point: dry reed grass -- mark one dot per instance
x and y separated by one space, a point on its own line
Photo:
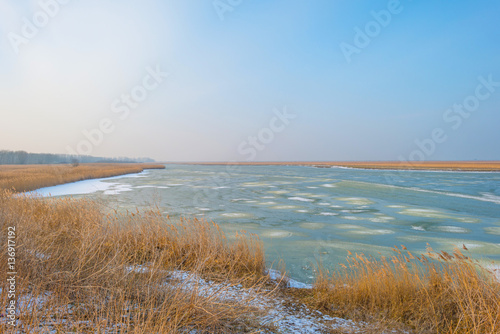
82 270
20 178
432 293
418 165
78 266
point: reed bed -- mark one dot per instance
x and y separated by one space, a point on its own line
84 270
433 293
388 165
20 178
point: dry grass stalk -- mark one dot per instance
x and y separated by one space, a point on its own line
79 267
433 293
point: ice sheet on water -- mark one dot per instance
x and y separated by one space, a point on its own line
329 214
88 187
301 199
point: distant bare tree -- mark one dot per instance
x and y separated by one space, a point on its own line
25 158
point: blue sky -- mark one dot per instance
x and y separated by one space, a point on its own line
233 66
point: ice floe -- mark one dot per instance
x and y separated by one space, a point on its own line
236 215
285 207
276 234
452 229
301 199
492 230
355 200
312 226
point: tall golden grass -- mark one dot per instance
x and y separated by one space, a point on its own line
433 293
82 269
22 178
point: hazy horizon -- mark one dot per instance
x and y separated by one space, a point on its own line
234 80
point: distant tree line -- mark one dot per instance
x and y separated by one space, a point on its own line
25 158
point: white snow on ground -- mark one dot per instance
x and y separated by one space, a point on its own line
278 312
285 315
495 269
88 186
290 283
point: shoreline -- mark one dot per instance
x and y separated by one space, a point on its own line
26 178
458 166
87 186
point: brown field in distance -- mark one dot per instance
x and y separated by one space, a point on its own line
484 166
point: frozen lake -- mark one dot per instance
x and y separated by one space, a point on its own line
304 214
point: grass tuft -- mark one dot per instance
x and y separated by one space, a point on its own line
81 269
436 292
